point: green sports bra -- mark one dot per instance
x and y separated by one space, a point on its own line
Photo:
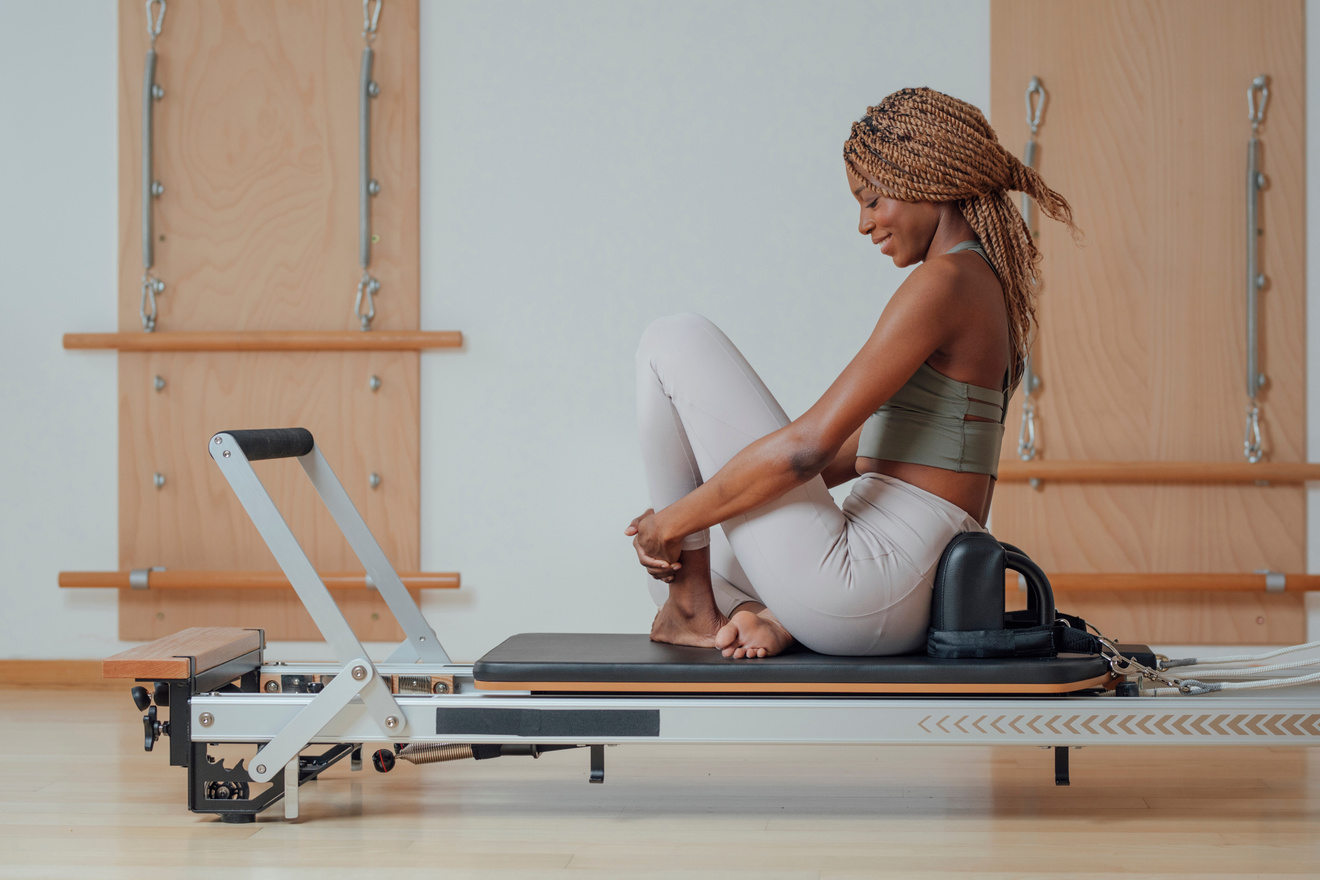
924 422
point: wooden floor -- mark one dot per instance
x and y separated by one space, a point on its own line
80 798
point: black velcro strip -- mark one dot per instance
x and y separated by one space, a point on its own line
547 722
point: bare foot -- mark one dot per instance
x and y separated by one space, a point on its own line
752 633
695 627
689 617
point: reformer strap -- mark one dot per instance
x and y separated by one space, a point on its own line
1030 641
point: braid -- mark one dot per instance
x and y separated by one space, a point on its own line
919 145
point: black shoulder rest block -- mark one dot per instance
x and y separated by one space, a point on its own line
967 618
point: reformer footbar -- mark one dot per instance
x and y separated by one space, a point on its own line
1028 678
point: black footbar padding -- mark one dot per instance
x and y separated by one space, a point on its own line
1038 586
969 585
266 443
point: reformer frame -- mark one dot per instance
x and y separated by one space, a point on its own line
419 697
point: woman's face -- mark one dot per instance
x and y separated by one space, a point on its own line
903 230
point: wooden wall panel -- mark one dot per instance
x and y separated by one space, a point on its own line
257 146
256 143
1142 339
195 521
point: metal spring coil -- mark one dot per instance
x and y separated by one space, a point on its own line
433 753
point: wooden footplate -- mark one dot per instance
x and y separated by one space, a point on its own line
184 654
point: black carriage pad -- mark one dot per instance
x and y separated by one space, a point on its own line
630 663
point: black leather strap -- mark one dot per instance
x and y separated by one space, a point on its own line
1033 641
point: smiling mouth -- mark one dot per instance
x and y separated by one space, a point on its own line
882 240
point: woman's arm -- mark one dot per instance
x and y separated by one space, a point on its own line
920 318
844 466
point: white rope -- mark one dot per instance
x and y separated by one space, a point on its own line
1239 658
1252 670
1202 687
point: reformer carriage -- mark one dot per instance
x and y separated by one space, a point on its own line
1039 680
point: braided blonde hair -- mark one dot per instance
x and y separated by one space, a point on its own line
919 145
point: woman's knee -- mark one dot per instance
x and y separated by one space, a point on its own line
671 333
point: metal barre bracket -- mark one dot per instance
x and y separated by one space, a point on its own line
368 188
1253 447
152 189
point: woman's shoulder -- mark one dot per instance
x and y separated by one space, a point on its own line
949 280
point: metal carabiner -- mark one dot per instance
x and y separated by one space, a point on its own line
147 308
1034 114
155 21
1256 115
1252 445
370 18
368 287
1026 447
1121 665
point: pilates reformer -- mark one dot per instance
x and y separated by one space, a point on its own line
1019 678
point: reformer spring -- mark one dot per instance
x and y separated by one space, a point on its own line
434 753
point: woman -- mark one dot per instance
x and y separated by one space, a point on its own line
916 417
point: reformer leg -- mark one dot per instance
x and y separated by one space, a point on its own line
597 764
1061 766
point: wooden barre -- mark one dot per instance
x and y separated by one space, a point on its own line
1202 472
177 579
1174 582
270 340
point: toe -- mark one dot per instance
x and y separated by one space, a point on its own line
726 636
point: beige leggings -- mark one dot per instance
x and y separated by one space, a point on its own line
852 580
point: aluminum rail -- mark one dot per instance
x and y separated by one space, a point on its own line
1260 718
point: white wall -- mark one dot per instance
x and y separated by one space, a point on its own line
58 410
589 166
586 166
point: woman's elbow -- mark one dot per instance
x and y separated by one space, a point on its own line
808 462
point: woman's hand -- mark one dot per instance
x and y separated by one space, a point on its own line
658 556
